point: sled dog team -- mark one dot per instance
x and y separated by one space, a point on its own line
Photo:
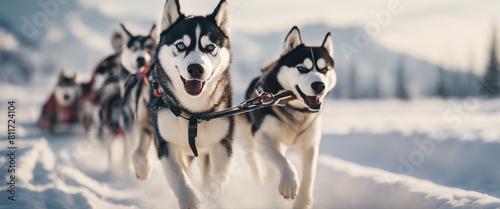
144 90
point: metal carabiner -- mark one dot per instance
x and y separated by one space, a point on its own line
267 99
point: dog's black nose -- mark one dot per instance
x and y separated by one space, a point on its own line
318 87
66 97
141 61
196 70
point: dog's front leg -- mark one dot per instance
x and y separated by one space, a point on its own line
140 159
179 182
219 163
309 163
275 151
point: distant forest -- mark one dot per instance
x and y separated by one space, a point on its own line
449 84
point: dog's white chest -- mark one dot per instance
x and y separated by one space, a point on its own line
175 130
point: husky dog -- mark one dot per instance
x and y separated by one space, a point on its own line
103 106
192 70
137 52
62 106
308 72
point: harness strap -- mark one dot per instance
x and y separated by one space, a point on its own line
263 100
192 133
259 90
132 79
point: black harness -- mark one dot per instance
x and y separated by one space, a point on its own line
263 100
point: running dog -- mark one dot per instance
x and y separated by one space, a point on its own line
307 71
106 89
192 72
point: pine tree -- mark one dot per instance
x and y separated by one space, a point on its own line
401 82
441 86
376 87
491 84
470 78
352 82
456 83
473 83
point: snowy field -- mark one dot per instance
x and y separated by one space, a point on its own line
374 154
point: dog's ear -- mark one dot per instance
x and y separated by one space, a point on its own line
117 41
67 74
171 13
328 44
64 75
128 35
221 17
61 74
292 41
153 33
119 38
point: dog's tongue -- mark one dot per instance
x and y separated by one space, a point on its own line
193 87
313 100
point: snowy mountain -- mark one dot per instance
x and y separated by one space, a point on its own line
71 37
76 38
375 66
21 62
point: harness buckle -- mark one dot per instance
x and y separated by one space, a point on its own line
156 88
267 99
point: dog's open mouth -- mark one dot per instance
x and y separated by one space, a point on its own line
193 87
312 102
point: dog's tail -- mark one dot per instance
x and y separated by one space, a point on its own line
243 132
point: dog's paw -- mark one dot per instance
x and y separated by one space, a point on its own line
189 200
142 165
289 183
303 202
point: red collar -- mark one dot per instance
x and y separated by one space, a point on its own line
156 87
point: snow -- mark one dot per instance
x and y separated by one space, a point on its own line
424 153
463 152
358 165
468 119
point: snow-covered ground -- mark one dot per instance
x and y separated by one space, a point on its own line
374 154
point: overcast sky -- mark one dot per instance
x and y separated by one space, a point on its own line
454 33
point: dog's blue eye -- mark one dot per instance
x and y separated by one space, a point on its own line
302 69
324 70
210 47
180 46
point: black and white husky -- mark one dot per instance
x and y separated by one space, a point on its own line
308 72
192 69
63 104
102 108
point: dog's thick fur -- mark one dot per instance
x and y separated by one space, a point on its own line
192 68
308 72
